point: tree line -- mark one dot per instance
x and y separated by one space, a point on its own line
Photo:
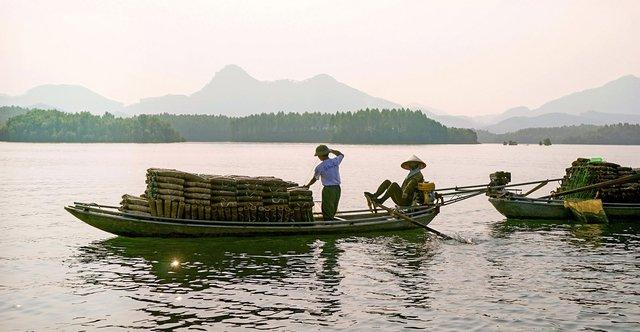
54 126
369 126
615 134
7 112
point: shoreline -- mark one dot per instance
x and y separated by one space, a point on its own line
320 142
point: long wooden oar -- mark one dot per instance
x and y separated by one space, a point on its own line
400 215
604 184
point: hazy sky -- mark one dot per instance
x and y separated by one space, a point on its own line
464 57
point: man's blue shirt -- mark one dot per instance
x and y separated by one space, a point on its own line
329 171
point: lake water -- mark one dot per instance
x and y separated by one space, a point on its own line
59 273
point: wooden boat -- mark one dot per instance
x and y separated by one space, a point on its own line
110 219
515 207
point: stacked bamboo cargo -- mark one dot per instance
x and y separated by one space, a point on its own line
585 172
275 201
165 192
224 201
135 204
197 198
301 203
176 194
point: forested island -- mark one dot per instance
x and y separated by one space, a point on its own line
54 126
369 126
7 112
618 134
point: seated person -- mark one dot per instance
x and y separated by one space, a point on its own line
401 195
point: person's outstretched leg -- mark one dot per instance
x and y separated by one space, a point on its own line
394 191
381 189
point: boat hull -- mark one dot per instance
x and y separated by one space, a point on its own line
526 208
131 226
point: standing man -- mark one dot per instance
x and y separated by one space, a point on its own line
329 172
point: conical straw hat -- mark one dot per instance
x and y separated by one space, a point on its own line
413 160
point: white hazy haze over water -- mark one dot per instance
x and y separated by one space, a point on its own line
464 57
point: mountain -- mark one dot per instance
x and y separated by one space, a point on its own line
69 98
614 102
484 120
560 119
476 122
619 96
234 92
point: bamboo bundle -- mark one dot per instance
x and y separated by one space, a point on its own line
301 203
249 198
584 172
165 191
223 197
274 191
135 204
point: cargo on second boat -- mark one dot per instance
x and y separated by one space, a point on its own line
592 190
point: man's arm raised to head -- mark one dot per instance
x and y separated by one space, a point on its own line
338 159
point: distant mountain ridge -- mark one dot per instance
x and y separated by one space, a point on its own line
620 96
614 102
234 92
65 97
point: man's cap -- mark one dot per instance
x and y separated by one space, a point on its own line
412 161
322 150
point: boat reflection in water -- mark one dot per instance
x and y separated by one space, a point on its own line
608 234
283 281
